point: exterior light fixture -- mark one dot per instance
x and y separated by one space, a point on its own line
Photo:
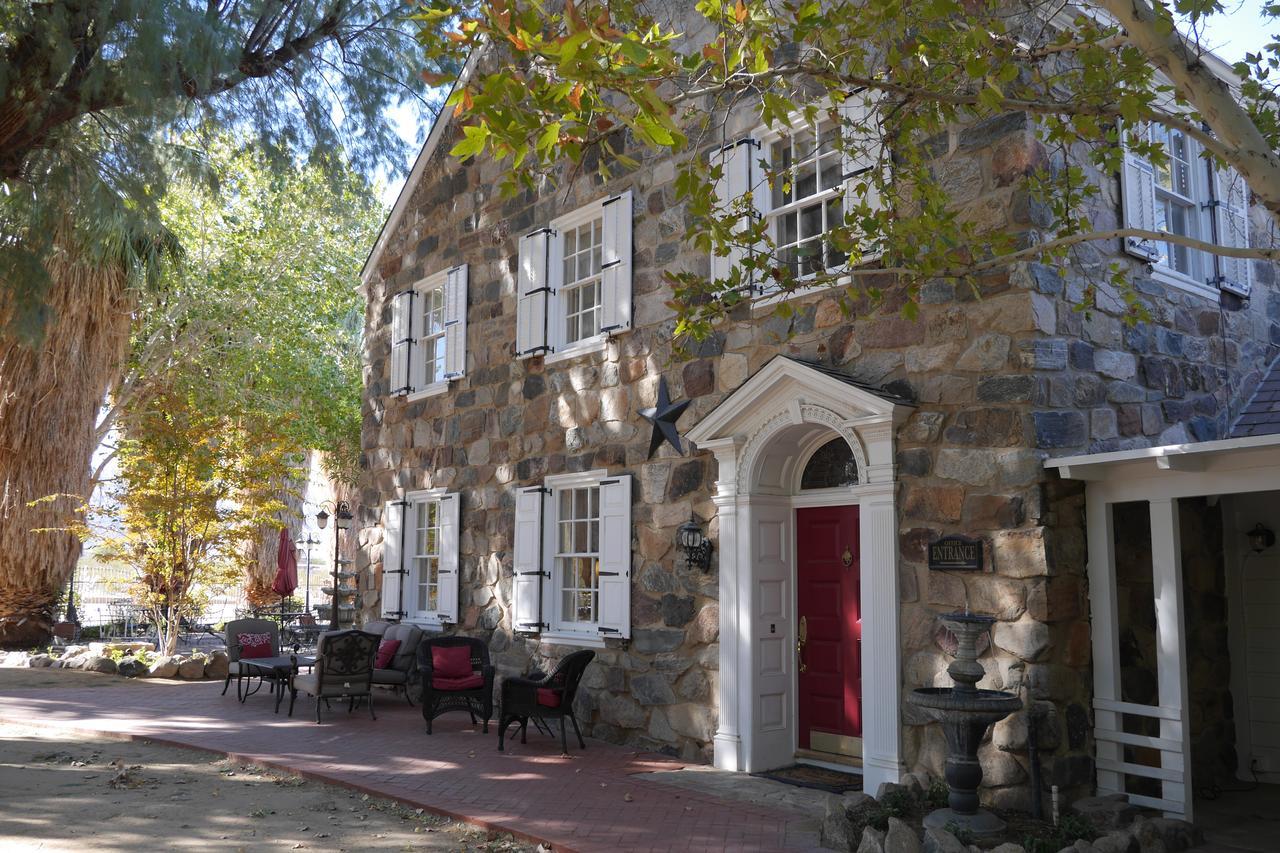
344 515
694 544
1261 538
322 519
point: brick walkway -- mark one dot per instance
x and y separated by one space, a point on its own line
578 803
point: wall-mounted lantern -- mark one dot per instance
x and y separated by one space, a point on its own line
694 544
1261 538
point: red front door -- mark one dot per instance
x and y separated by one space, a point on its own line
829 628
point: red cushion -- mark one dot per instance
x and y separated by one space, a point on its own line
386 651
254 646
548 697
451 661
469 682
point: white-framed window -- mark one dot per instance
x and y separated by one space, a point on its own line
420 558
575 281
429 334
1188 196
572 561
804 182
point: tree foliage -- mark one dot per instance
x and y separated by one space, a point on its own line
96 98
593 82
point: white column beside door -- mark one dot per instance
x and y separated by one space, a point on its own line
1171 644
881 650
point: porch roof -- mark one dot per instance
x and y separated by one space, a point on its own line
1247 453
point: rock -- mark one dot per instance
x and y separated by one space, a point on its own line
693 721
941 841
901 838
651 688
1105 813
1009 847
1118 841
95 663
839 832
165 667
1026 638
651 640
191 669
872 841
887 789
39 661
132 668
1177 834
216 667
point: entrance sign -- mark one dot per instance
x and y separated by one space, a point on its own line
956 554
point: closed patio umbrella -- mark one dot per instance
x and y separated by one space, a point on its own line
286 579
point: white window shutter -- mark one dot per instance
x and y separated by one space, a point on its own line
532 290
615 271
403 326
1138 204
455 322
526 562
615 556
1232 224
863 154
450 558
393 571
737 170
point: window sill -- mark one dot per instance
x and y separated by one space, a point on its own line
435 389
1186 283
577 350
426 624
561 638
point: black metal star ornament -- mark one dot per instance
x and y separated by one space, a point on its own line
663 417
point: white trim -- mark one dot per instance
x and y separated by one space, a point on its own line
1185 283
442 121
562 638
580 349
435 389
426 495
576 478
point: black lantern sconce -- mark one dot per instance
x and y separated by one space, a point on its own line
1261 538
694 544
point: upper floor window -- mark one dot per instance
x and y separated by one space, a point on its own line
807 198
429 334
574 281
1185 195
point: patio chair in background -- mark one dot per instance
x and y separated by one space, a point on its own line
249 638
456 676
544 698
343 670
397 663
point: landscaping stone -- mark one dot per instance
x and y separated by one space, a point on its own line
839 831
872 841
216 666
941 841
1118 841
1009 847
97 663
39 661
165 667
900 838
1111 811
132 668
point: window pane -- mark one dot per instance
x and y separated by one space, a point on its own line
811 221
806 179
831 171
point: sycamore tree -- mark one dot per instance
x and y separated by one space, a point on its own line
98 101
593 82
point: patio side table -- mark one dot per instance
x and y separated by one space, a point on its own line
279 670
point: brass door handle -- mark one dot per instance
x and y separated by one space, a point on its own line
802 637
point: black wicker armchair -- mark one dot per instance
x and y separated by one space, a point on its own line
456 676
544 698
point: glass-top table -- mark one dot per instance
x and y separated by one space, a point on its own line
279 670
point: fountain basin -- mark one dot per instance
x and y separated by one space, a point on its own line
943 699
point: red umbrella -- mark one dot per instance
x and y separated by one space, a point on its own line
286 580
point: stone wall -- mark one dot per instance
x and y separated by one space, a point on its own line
1004 373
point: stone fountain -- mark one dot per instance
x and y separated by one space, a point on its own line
966 713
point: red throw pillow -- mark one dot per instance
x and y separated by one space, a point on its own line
254 646
386 651
548 698
470 682
451 661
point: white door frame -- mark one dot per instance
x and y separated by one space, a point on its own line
753 436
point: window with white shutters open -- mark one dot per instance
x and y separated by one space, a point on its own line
615 269
429 592
573 558
435 312
455 322
403 341
1188 196
393 571
863 156
739 172
532 292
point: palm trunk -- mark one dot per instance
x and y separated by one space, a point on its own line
49 397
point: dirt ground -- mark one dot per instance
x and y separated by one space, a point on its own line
62 792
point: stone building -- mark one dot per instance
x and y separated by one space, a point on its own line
511 494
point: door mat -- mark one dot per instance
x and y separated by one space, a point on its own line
820 778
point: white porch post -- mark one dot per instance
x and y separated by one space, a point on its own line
1171 645
881 612
727 748
1106 650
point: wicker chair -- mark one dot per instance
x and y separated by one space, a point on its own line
344 669
544 698
455 691
233 631
403 672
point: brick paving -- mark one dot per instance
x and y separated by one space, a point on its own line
587 802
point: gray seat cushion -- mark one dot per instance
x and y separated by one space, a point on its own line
377 626
307 682
406 657
389 676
